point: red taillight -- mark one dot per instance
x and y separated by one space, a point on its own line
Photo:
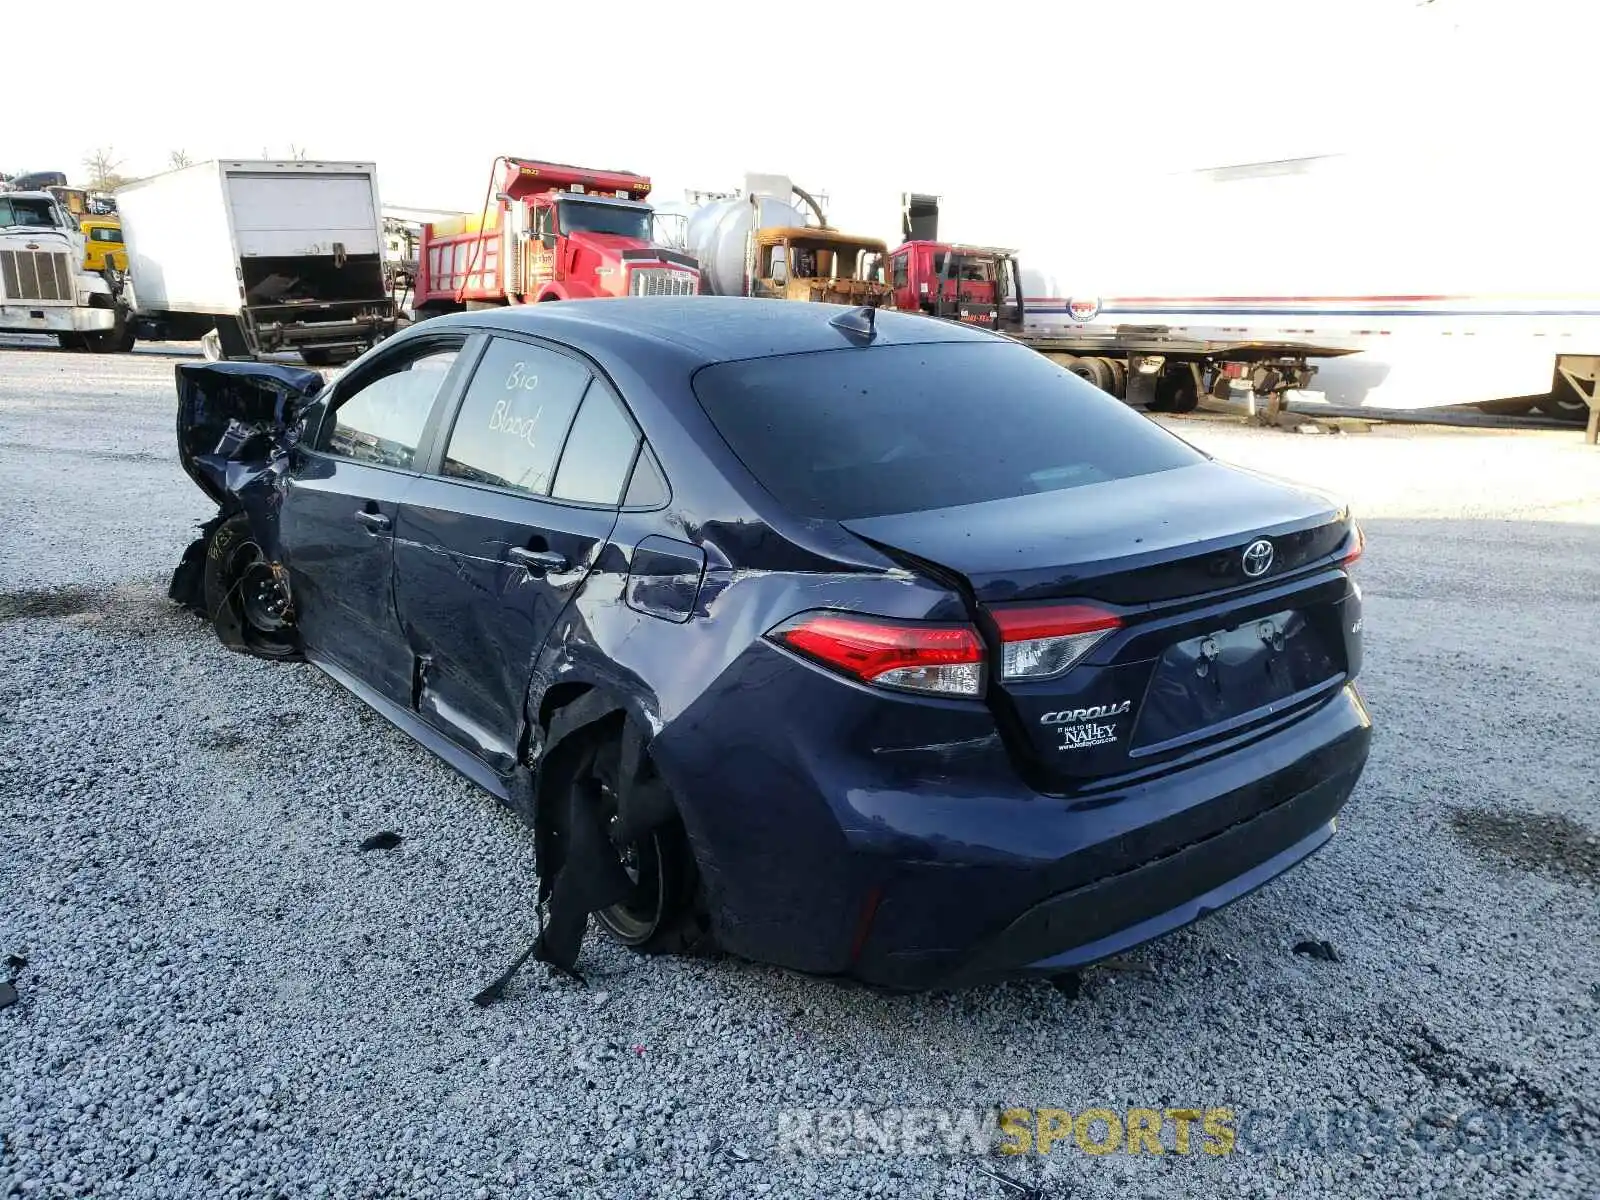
1354 547
1041 641
944 660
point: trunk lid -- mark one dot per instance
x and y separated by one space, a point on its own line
1184 646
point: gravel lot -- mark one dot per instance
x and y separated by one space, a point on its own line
223 997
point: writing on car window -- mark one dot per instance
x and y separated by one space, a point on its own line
515 416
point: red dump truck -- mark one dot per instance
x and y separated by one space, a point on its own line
549 231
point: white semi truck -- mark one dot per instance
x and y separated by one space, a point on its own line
44 287
254 257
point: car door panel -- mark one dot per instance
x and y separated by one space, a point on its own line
341 566
475 618
485 559
341 503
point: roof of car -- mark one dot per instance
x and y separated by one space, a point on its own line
713 328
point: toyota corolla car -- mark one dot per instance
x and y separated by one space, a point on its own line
860 643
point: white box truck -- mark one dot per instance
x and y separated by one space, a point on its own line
258 257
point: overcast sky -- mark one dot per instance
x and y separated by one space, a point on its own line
997 106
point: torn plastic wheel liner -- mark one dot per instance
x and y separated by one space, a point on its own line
584 877
237 422
575 841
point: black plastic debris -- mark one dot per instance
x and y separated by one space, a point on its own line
1069 985
384 839
1016 1187
588 877
8 989
1321 951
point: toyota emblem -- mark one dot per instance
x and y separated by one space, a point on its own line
1257 558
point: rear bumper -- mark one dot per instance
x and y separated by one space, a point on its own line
1111 915
21 317
943 869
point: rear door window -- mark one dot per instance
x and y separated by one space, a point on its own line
599 451
866 432
515 417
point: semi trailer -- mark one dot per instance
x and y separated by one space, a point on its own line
1444 280
1163 368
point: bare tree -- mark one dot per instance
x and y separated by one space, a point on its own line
103 167
298 153
178 158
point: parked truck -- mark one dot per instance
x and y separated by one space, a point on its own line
1164 369
549 231
256 257
44 285
1444 282
763 242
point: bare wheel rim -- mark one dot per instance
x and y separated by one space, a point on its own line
255 590
636 920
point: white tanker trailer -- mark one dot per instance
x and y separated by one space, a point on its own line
764 242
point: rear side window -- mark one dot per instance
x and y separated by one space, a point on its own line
866 432
599 451
381 422
515 417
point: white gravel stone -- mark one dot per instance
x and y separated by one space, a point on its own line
223 998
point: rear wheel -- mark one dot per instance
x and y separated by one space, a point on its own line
245 598
660 915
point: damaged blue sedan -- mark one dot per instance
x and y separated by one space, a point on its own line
860 643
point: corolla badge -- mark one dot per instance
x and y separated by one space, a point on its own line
1257 558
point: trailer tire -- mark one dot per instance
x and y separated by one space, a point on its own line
1119 376
1094 371
116 340
1177 391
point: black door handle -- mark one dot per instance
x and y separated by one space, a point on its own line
375 522
537 560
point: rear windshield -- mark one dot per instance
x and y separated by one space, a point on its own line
849 433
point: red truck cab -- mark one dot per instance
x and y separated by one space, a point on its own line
976 285
551 232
